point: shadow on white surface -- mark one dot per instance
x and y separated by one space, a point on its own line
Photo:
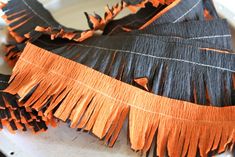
63 141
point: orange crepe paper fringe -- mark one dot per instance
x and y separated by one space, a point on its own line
100 104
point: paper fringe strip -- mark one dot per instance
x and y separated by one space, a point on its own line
98 103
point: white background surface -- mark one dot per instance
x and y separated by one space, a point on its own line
63 141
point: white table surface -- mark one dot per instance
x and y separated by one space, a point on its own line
63 141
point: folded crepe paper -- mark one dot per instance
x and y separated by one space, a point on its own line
15 117
100 104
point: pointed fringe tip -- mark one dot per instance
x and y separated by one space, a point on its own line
98 103
97 23
61 33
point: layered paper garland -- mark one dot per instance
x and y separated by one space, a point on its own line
168 69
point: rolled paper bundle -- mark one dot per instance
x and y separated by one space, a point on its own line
14 116
98 103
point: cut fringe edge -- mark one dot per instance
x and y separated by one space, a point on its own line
98 103
55 33
16 120
15 117
97 23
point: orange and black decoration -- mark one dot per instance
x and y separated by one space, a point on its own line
162 68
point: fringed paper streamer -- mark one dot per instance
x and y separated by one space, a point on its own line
29 19
178 11
23 20
103 47
11 54
133 21
14 116
184 10
23 16
97 23
200 76
162 64
106 56
100 104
